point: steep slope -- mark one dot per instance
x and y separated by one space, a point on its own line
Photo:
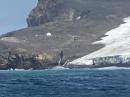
116 46
70 26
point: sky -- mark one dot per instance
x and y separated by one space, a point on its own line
13 14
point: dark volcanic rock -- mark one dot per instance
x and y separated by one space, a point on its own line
56 10
68 25
19 58
69 10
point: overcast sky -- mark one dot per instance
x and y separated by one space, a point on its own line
13 14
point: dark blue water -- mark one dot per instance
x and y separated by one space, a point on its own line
65 83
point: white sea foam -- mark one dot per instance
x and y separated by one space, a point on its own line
113 68
59 68
117 42
19 69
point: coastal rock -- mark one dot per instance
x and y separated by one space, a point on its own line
19 58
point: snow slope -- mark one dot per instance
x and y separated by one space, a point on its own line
117 42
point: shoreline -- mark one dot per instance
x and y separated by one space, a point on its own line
64 68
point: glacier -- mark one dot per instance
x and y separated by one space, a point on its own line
116 50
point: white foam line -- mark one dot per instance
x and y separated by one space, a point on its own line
113 68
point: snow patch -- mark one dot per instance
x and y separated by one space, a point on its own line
78 18
12 39
117 42
83 61
48 34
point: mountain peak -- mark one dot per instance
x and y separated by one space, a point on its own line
56 10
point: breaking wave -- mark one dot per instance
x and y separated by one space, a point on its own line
59 68
113 68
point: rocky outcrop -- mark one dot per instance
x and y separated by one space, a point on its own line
19 58
55 10
71 10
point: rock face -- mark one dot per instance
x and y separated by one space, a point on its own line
70 26
56 10
19 58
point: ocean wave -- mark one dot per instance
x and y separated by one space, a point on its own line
19 69
16 70
59 68
113 68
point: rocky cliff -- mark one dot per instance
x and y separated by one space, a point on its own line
56 10
70 26
69 10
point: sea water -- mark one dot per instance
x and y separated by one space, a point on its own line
103 82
